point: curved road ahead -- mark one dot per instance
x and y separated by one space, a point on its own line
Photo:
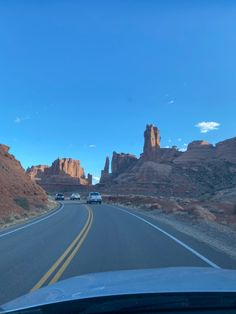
79 239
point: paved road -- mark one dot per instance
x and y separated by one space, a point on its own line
79 239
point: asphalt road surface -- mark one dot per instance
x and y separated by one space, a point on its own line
80 238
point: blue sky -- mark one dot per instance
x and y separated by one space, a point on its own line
81 79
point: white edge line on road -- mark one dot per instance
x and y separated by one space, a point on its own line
206 260
33 223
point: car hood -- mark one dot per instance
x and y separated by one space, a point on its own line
166 280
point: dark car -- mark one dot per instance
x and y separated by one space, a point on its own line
59 197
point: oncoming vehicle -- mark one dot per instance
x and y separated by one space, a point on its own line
75 197
59 197
94 197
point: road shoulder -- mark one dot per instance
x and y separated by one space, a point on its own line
30 217
215 237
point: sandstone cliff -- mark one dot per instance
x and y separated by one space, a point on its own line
63 174
36 172
122 162
18 192
226 150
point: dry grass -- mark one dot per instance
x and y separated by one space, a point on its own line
14 219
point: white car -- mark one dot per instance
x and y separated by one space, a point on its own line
75 197
94 197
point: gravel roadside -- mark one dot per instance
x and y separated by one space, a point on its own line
220 237
17 219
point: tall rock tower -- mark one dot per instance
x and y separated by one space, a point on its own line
105 171
152 141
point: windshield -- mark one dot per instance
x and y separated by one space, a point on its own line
118 144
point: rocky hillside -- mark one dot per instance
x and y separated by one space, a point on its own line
204 169
64 174
19 194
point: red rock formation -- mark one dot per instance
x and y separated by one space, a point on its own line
121 162
197 151
107 165
18 192
4 149
36 172
226 150
90 179
167 154
202 169
151 141
105 171
61 174
152 150
66 166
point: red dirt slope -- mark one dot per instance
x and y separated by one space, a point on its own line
18 193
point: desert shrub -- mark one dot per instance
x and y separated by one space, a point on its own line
17 217
22 202
8 219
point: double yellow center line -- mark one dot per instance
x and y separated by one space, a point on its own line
58 268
